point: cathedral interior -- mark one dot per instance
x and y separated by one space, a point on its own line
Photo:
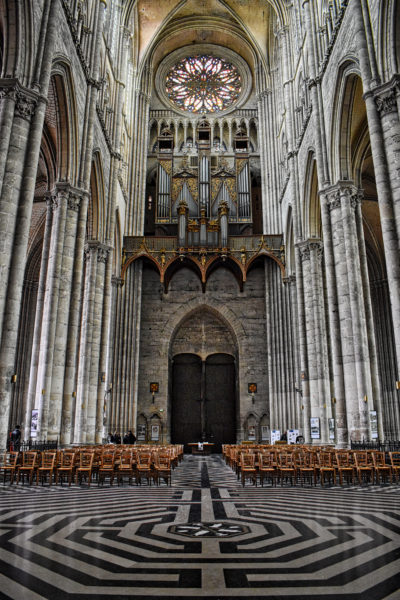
200 242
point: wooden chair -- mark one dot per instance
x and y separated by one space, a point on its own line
125 468
286 467
162 468
46 468
344 467
84 468
267 467
106 468
306 467
143 467
395 464
326 468
248 468
382 470
66 467
28 466
364 466
8 465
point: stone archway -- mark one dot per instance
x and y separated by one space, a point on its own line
203 381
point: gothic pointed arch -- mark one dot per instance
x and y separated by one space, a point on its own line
61 120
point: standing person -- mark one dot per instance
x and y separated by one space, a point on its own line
117 437
131 437
16 438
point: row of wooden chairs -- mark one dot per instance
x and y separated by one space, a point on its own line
308 465
81 464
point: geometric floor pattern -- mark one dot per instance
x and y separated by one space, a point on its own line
204 537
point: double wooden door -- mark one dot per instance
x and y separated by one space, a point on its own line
203 400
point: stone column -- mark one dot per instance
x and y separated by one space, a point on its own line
70 377
85 355
370 327
384 134
86 157
339 403
50 309
116 284
64 299
105 350
31 396
312 336
93 373
324 403
356 365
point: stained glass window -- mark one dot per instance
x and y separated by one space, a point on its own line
201 84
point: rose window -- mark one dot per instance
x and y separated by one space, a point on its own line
201 84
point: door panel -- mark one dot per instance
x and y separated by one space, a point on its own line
220 400
186 399
203 399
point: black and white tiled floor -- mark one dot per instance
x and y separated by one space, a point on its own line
204 537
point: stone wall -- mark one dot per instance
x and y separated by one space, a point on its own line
223 319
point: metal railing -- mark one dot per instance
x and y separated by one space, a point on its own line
386 446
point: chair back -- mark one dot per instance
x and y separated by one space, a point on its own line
247 460
362 459
343 460
266 460
379 459
107 460
68 459
325 459
394 459
48 460
9 459
125 460
144 459
29 459
285 460
86 460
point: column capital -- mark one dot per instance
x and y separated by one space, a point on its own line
25 99
385 95
290 280
304 250
342 192
117 282
103 252
65 191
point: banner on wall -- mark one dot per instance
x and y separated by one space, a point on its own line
373 418
331 425
264 433
141 433
315 428
34 422
275 435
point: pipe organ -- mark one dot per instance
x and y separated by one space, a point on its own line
197 180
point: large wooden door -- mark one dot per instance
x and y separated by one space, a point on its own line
186 399
203 400
220 396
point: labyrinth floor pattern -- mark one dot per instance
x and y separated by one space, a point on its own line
204 537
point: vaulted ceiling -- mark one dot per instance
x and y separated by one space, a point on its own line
242 25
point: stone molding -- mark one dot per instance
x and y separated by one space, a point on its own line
310 246
25 99
385 96
73 196
341 193
94 247
117 282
